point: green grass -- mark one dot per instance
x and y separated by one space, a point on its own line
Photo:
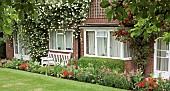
16 80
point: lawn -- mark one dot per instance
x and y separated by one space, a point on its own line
16 80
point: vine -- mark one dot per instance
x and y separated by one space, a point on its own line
50 17
148 19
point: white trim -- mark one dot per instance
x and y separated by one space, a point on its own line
164 74
19 56
121 50
95 29
96 52
85 42
61 50
107 57
108 44
70 30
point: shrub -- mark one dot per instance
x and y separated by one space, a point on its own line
14 63
33 66
113 64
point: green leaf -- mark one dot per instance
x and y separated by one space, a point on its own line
64 1
109 15
14 16
21 15
105 4
7 30
159 25
146 35
70 1
35 14
8 2
107 10
132 34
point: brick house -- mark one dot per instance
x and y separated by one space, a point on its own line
95 40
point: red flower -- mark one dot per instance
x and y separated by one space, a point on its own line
150 80
65 73
155 85
71 73
141 84
150 87
23 66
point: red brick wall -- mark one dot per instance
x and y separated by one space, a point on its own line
75 48
9 49
82 42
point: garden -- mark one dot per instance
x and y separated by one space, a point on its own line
99 71
32 20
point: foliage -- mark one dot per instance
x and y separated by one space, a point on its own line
100 75
14 63
2 48
149 20
34 28
34 66
114 64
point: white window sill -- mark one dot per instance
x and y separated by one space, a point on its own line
19 56
108 57
61 50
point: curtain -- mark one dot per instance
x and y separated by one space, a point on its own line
102 46
53 40
60 42
162 56
127 51
91 42
114 46
69 43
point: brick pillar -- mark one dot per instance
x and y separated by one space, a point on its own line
75 48
82 42
150 65
9 48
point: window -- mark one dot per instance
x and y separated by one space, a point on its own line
61 40
20 50
162 56
101 43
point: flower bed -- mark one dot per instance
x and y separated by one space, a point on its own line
100 75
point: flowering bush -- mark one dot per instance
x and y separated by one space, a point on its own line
24 66
148 84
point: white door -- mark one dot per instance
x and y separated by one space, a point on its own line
162 59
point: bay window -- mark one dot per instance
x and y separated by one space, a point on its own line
101 43
61 40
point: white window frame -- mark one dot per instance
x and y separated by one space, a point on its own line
71 30
164 74
95 29
19 55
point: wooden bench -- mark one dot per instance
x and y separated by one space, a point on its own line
56 59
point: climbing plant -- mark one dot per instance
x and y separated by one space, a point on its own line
49 16
149 20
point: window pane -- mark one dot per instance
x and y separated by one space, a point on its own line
161 45
162 64
102 33
114 46
69 43
53 40
102 46
127 51
90 42
60 39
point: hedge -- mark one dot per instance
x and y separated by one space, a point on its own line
114 64
2 49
